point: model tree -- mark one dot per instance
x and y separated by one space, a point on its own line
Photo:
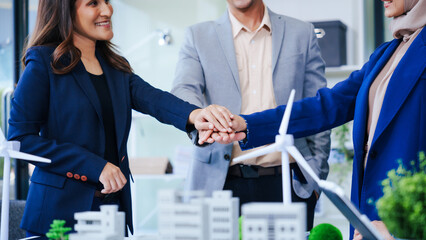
57 230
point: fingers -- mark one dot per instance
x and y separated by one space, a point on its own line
239 124
239 136
219 116
215 117
217 124
357 235
112 179
203 136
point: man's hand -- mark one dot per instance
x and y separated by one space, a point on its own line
112 178
380 226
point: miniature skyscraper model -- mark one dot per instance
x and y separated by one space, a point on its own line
108 224
282 142
182 220
10 149
198 218
264 221
223 216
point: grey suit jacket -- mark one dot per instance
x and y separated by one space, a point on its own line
207 73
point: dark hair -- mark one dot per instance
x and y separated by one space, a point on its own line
54 27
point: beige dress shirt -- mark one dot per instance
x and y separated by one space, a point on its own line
253 50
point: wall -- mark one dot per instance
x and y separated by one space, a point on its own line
135 23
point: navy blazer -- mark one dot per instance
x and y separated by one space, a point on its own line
401 127
59 117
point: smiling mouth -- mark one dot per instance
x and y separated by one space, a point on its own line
105 23
387 3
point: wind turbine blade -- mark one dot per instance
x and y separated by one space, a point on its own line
2 138
302 162
25 156
287 112
269 149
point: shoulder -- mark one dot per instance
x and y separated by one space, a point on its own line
290 21
201 28
380 50
42 53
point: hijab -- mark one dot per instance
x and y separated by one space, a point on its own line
414 17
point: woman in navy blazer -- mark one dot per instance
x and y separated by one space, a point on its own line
401 126
73 105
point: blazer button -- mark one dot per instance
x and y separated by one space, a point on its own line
83 178
70 175
227 157
76 176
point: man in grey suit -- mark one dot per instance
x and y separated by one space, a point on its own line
248 61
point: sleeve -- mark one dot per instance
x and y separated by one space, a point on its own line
328 109
163 106
318 144
189 83
29 115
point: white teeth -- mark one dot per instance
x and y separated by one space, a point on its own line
102 23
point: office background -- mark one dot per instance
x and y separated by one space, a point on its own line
149 34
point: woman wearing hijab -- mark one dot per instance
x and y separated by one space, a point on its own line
73 105
386 99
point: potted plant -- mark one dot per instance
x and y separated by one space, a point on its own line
403 206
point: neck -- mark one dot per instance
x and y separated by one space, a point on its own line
250 17
86 46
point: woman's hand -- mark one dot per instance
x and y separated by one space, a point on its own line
237 134
380 226
112 178
213 117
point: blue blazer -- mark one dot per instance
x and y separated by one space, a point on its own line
401 127
59 117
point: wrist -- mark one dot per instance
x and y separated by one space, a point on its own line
193 115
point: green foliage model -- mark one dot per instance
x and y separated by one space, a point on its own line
325 231
403 205
240 226
57 230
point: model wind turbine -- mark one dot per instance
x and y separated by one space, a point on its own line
282 142
10 149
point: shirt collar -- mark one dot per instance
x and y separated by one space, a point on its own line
237 26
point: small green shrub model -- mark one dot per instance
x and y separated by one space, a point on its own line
403 205
57 230
325 231
240 227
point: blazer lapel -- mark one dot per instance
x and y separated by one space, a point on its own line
83 79
224 34
115 80
404 78
278 26
361 105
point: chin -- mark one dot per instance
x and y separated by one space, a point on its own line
106 37
390 13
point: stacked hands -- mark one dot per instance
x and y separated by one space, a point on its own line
214 124
217 124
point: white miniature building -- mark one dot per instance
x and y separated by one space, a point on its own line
194 217
108 224
178 219
223 216
264 221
